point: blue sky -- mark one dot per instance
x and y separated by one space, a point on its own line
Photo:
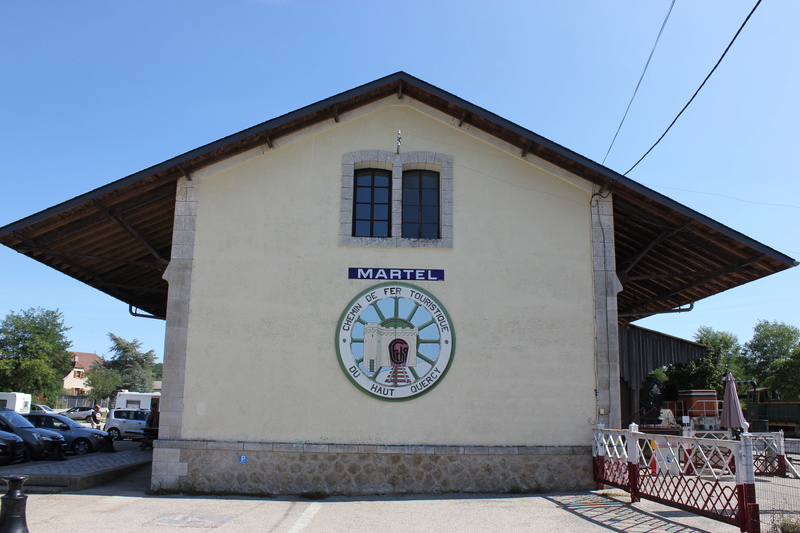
93 91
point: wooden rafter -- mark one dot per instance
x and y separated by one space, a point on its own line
636 306
116 217
664 235
687 274
55 253
93 277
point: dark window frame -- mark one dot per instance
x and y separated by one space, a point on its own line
421 216
372 203
396 163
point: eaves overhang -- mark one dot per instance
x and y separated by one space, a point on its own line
117 238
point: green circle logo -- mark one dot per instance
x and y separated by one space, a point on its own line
395 341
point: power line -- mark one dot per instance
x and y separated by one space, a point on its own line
698 89
640 81
722 196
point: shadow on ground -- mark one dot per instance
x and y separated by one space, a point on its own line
616 515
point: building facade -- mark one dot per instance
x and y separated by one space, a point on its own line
272 274
407 293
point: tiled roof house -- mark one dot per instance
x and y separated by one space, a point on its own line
75 380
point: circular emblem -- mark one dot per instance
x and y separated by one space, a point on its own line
395 341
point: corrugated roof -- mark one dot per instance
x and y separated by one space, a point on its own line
642 350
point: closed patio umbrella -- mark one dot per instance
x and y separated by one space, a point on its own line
732 415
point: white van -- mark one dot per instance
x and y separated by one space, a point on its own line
16 401
136 400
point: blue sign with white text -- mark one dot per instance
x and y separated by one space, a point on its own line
396 274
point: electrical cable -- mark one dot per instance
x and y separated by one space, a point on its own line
698 89
726 196
640 81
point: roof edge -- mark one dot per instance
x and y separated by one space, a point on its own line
401 77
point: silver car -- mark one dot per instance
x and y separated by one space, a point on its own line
80 439
122 423
79 413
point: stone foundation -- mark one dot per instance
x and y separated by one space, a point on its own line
273 468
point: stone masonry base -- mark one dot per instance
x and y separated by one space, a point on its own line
323 469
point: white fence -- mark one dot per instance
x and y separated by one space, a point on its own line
707 476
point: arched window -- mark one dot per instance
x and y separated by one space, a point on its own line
397 200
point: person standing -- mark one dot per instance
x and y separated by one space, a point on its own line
151 427
95 418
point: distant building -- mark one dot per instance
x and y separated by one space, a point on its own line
75 380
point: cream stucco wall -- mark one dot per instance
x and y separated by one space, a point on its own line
269 282
71 382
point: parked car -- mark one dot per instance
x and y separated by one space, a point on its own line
12 449
79 413
39 408
39 443
80 439
122 423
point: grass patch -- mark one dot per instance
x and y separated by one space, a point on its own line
786 524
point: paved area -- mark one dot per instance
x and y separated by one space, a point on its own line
123 504
81 471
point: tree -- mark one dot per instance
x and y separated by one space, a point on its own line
723 345
103 381
133 365
33 353
724 352
769 353
158 371
787 377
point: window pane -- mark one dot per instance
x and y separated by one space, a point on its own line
430 197
381 229
363 211
363 180
430 181
410 231
430 231
361 228
381 180
381 196
364 195
381 212
430 215
411 180
411 197
410 214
